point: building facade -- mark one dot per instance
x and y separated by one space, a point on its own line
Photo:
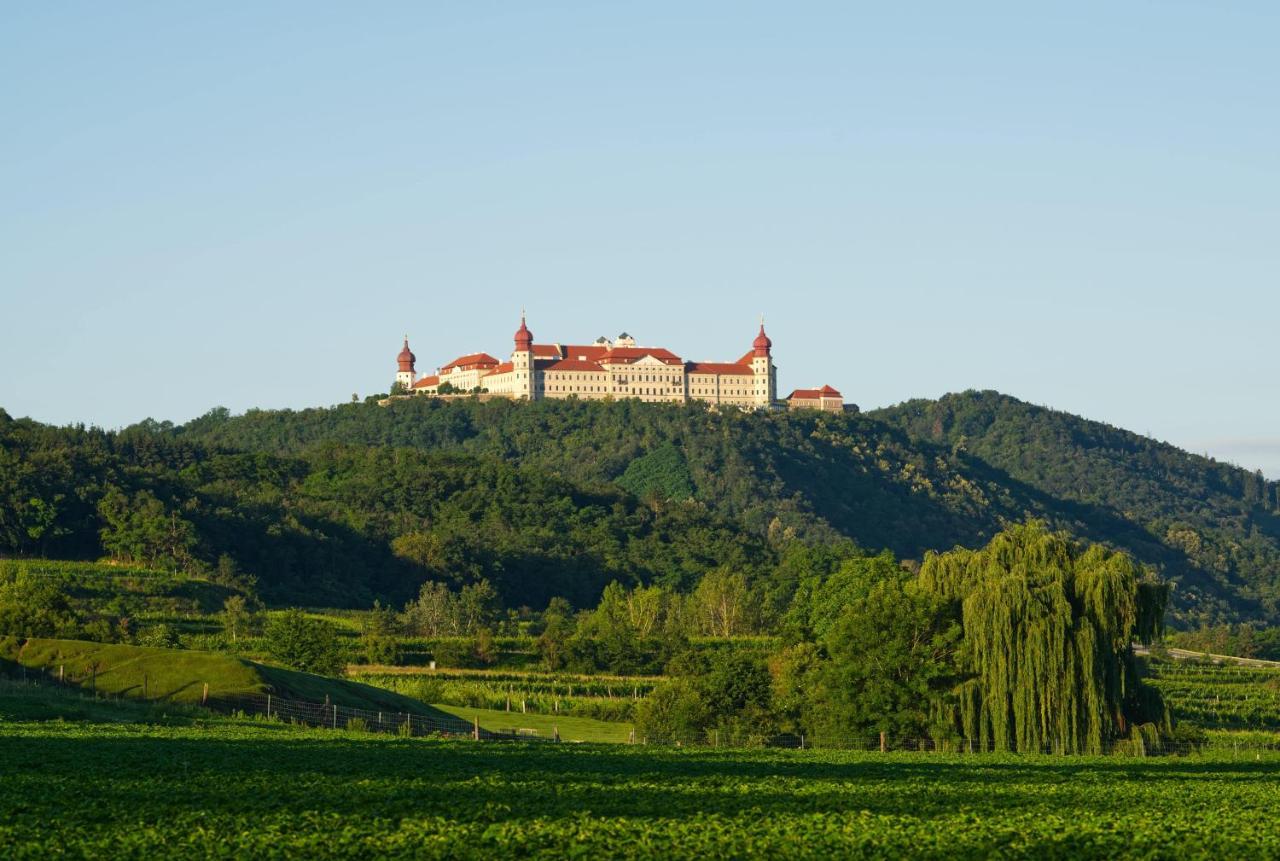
614 369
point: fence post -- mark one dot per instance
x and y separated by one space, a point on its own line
475 728
204 695
631 739
335 715
268 706
61 673
524 707
555 733
802 741
884 742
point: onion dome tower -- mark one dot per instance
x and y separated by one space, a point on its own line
524 338
406 375
522 364
762 345
765 388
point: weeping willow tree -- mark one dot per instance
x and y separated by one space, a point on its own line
1048 627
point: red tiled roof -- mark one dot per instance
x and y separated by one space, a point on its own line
546 351
584 352
813 394
627 355
722 368
427 382
747 357
573 365
472 359
504 368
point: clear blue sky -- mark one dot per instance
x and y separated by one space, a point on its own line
248 204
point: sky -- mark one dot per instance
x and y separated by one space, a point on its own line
249 205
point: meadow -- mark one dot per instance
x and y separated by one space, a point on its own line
133 781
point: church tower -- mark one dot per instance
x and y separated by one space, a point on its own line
406 376
522 362
765 390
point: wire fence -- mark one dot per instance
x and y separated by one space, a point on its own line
335 716
331 715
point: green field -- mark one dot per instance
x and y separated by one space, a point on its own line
544 726
114 785
1226 696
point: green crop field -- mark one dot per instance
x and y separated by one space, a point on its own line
543 726
1224 696
123 783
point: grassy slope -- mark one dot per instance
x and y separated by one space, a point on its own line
571 728
248 789
179 676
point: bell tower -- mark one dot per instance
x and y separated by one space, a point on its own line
406 376
765 388
522 362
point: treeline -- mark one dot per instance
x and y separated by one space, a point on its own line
561 497
1024 645
1212 526
1242 640
343 526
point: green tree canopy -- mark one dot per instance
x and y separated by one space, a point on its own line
1048 627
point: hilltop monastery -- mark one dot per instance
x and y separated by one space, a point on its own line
613 369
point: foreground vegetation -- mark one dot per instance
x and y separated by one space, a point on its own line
130 784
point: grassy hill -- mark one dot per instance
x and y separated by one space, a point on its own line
179 676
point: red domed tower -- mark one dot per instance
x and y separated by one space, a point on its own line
762 345
765 390
522 365
524 338
406 375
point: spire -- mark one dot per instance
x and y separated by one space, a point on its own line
762 345
406 357
524 338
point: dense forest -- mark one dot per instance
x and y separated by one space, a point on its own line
346 504
1212 527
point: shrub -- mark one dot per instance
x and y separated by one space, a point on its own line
160 636
305 644
673 712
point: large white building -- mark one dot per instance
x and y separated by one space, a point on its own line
603 369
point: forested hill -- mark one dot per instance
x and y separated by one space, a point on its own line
359 501
901 479
1218 525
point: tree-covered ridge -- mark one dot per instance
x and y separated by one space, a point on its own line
320 496
1212 528
342 525
893 480
815 477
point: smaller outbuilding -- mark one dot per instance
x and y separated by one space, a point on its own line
825 398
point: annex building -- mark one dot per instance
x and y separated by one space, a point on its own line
611 369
